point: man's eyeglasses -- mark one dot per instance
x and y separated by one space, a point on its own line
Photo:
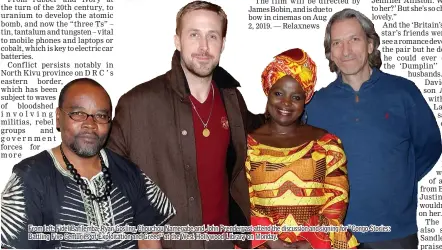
80 116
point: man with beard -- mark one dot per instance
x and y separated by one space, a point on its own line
79 190
187 129
390 134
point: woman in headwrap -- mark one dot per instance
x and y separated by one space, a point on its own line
297 173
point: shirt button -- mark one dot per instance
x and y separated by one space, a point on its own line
191 199
357 119
187 167
184 132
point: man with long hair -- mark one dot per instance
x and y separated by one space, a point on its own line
389 133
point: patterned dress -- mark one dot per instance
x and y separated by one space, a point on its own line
299 187
44 207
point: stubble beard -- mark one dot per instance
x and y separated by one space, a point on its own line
199 70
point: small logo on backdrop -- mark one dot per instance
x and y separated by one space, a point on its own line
387 115
225 122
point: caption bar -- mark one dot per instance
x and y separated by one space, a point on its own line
168 232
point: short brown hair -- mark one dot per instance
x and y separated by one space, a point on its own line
201 5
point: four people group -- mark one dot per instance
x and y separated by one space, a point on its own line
184 150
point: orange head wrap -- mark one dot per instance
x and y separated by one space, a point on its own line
295 63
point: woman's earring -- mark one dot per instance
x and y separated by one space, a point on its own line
304 117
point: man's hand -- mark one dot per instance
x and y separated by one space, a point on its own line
276 244
149 244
